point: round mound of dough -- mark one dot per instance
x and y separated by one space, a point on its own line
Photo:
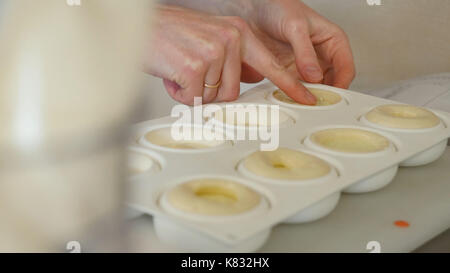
324 97
286 164
138 163
350 140
213 197
249 116
402 116
162 137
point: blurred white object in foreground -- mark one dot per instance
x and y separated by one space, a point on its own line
68 75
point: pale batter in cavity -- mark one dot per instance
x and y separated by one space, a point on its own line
162 137
251 116
350 140
402 116
286 164
211 196
324 98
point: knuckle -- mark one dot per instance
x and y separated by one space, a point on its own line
214 52
193 67
297 25
231 34
238 22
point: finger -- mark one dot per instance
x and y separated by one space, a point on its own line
163 66
328 77
184 95
209 94
343 66
193 74
214 54
305 56
262 60
183 74
212 78
230 88
171 87
250 75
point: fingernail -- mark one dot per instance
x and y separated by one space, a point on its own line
313 73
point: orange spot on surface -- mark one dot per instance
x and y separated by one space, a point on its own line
401 223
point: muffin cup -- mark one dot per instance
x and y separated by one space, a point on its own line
186 239
371 183
293 183
153 159
155 166
341 103
290 119
429 155
189 240
314 212
219 144
425 157
131 213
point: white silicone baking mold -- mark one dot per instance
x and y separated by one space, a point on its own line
286 202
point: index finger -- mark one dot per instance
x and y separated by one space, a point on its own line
344 67
264 62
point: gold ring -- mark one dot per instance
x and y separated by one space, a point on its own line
213 86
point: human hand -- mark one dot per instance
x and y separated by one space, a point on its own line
304 41
189 49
